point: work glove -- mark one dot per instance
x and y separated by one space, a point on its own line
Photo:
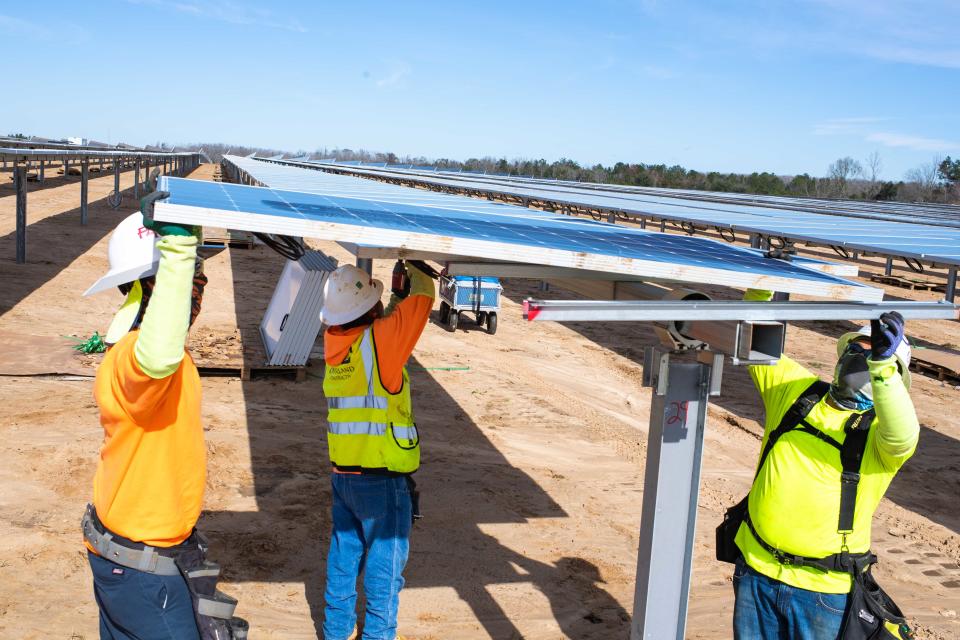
420 282
162 228
886 334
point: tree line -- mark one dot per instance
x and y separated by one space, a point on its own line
934 181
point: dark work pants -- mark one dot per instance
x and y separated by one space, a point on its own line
135 605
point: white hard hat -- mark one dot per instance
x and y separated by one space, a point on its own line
902 353
133 254
348 293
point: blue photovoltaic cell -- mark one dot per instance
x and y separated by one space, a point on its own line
490 222
880 233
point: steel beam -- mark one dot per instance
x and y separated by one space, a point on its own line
20 184
136 179
366 264
951 290
66 168
711 310
116 178
671 487
40 175
888 268
84 189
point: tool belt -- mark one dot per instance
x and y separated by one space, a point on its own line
213 609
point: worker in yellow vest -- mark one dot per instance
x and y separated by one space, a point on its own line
373 443
150 575
829 453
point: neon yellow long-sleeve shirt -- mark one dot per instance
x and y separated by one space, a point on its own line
163 331
795 500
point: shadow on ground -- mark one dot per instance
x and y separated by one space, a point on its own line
286 539
927 484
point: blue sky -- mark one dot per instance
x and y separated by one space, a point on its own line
730 86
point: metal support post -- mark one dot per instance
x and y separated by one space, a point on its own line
66 168
146 176
116 178
366 264
888 269
670 490
612 218
951 290
755 240
40 174
20 184
136 179
101 165
84 175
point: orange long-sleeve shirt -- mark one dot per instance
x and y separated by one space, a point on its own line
150 480
395 336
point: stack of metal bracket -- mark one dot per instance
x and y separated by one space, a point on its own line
292 321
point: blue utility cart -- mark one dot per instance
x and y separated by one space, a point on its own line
481 296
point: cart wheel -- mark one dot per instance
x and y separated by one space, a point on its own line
444 312
481 318
491 323
454 320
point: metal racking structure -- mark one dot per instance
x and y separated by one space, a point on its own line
25 154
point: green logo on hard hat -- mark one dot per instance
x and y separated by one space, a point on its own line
359 285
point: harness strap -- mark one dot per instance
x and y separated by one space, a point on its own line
857 429
851 456
844 561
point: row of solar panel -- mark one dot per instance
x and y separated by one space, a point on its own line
310 203
932 211
938 244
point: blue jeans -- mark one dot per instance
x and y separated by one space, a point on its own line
371 532
767 609
135 605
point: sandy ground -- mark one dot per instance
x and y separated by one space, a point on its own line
534 446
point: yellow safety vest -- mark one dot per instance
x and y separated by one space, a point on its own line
369 428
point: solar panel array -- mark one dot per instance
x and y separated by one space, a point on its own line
303 202
922 212
879 234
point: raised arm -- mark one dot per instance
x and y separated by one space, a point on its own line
163 332
898 429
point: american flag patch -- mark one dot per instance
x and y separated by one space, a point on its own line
118 571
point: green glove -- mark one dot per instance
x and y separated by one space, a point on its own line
162 228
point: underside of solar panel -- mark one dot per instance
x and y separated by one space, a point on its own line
313 204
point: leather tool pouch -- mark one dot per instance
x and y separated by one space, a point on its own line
871 613
727 549
212 608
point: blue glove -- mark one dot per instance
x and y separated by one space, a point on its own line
886 334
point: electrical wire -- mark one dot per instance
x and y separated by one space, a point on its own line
289 247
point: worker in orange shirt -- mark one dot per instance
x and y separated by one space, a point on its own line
373 442
150 576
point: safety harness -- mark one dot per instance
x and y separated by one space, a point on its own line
857 429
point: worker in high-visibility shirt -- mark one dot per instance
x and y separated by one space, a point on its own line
790 581
373 443
149 484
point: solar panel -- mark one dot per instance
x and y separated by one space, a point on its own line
939 244
497 231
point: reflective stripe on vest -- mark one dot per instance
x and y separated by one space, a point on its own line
368 427
371 429
357 402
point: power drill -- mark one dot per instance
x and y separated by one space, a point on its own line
400 283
